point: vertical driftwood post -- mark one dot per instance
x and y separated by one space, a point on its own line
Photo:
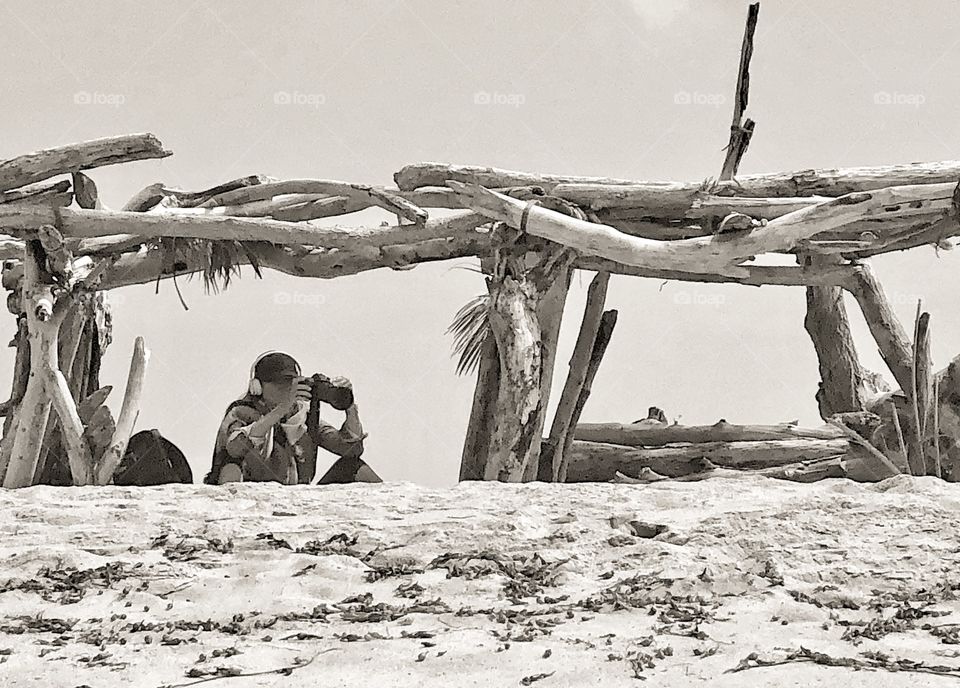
21 372
921 392
476 445
524 270
552 449
740 131
842 380
42 331
550 315
129 411
604 333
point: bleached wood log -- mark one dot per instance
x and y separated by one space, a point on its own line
71 429
377 196
841 388
740 131
176 223
891 338
921 392
594 461
516 290
814 182
43 324
713 254
129 411
476 443
608 322
634 435
576 376
43 164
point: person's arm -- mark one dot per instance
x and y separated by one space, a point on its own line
348 440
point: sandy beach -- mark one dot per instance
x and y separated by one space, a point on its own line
483 584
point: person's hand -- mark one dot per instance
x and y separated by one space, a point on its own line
289 405
342 382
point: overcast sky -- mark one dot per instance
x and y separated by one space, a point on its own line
355 90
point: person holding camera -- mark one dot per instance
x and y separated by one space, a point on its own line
273 432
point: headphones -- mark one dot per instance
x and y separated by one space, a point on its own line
255 387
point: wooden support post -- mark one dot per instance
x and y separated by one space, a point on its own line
604 333
921 391
842 385
523 272
129 411
42 331
552 452
476 444
21 372
891 338
740 131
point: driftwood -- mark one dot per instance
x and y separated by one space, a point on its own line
577 375
740 131
595 461
41 165
891 338
129 411
516 291
608 322
633 435
476 444
842 386
808 472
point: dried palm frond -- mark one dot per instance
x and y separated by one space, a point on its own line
220 260
470 328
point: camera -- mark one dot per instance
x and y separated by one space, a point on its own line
322 388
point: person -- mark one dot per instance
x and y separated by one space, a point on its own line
269 435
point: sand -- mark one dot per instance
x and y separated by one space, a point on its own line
568 585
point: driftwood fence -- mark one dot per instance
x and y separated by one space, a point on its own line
62 248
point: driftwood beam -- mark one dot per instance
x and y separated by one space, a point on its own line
633 435
43 164
595 461
187 224
814 182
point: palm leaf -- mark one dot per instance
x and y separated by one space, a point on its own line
470 328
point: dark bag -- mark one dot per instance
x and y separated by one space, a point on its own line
152 459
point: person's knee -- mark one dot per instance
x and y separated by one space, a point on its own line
230 473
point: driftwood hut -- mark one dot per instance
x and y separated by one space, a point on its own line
530 231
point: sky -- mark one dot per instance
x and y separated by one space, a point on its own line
356 90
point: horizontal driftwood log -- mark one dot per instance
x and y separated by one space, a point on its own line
43 164
819 182
597 461
173 223
637 435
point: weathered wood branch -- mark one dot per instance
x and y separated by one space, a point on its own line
741 132
891 338
129 411
552 451
842 388
184 223
390 202
608 321
43 164
633 435
594 461
817 182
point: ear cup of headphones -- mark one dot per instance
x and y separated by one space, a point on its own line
255 388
